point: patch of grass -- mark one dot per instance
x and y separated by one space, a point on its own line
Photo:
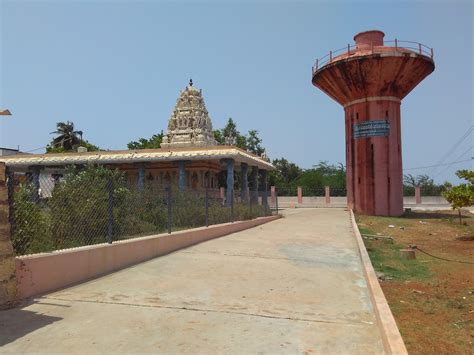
365 230
456 303
385 258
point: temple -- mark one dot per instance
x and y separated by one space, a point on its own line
189 156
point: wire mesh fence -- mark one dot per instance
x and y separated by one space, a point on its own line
425 190
98 205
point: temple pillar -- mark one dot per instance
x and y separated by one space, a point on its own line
244 193
230 182
141 176
263 183
182 175
254 185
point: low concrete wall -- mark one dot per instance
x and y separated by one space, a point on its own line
41 273
427 202
311 201
391 336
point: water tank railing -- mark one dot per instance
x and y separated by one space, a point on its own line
416 47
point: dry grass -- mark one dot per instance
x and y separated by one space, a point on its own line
432 300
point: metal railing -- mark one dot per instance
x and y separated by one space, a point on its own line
416 47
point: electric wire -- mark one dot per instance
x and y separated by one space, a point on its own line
449 165
453 148
440 258
44 147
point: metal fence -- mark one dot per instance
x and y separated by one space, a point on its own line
92 206
425 190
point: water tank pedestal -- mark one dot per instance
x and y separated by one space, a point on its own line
370 80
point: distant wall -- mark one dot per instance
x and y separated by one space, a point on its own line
320 201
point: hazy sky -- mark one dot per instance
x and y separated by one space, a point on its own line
115 69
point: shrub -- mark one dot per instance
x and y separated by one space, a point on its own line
31 232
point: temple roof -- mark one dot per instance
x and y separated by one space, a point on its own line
216 153
189 124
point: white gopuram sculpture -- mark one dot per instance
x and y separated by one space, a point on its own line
189 124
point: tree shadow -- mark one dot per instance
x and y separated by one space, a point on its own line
435 215
18 322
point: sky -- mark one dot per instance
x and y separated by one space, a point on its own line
115 68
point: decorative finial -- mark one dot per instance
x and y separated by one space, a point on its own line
190 82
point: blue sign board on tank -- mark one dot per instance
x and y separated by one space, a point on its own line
377 128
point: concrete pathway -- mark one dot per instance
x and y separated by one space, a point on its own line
293 285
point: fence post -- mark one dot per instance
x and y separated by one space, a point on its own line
327 194
35 181
110 210
417 195
11 196
300 195
276 201
272 194
207 207
168 203
222 194
232 207
8 288
250 207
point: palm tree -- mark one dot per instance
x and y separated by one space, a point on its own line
67 137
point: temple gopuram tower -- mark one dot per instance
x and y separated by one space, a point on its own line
189 124
370 80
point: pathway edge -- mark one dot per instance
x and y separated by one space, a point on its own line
392 339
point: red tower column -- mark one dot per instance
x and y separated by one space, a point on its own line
369 81
374 164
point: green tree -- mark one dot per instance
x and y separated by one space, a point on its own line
218 136
427 185
153 143
68 139
89 146
254 143
285 174
323 174
230 130
462 195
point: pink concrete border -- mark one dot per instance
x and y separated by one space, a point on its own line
392 339
41 273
